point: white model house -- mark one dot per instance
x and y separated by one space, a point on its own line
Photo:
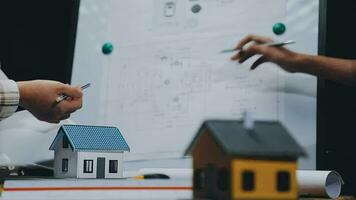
82 151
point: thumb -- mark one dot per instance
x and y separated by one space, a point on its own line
71 91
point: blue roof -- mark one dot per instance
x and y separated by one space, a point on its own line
82 137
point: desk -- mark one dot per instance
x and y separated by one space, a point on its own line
96 189
101 189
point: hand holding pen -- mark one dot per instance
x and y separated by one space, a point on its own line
63 96
270 52
39 98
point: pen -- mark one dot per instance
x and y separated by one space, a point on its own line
151 176
62 97
271 44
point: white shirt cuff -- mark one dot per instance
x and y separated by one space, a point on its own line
9 98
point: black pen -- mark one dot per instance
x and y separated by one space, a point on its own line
151 176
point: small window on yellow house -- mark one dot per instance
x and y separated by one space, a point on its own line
199 179
283 181
223 180
248 180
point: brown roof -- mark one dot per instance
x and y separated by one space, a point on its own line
267 139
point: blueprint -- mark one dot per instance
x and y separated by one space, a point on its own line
166 74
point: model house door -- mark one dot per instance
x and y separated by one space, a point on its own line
211 180
100 170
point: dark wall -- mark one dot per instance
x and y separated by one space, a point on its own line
336 128
37 38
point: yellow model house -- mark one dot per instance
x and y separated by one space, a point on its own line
232 162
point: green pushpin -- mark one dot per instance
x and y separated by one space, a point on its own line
107 48
279 28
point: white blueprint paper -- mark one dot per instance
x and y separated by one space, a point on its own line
169 75
166 74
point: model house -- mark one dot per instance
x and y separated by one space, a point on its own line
88 152
231 161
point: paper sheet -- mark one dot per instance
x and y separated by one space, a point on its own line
166 75
24 140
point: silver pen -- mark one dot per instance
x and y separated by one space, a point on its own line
271 44
62 97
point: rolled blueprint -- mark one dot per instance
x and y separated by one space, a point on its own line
319 183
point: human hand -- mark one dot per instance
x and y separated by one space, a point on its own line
39 98
285 58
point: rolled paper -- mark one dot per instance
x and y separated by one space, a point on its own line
314 183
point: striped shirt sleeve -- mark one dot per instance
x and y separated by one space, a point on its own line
9 98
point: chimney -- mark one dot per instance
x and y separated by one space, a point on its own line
248 121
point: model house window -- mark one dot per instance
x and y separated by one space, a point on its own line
65 142
88 166
283 181
199 179
64 165
223 181
113 165
248 180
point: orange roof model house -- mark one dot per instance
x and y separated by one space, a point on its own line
235 161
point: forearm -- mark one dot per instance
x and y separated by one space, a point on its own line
340 70
23 93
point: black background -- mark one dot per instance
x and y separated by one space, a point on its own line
336 103
37 38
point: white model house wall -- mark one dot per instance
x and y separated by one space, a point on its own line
93 156
65 153
76 163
